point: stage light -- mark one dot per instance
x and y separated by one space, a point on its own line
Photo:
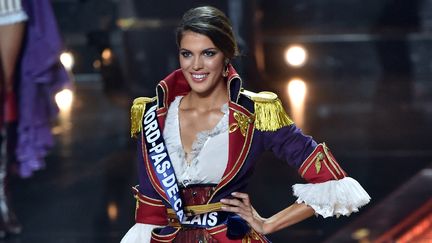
64 100
126 23
296 55
107 56
297 91
297 95
112 211
67 60
97 64
361 235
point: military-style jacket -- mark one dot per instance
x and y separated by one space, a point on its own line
257 122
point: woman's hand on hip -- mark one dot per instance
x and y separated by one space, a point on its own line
241 205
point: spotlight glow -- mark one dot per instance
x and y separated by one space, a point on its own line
107 56
97 64
67 60
360 234
112 211
297 91
296 55
64 100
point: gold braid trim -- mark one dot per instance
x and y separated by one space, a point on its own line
269 112
198 209
137 113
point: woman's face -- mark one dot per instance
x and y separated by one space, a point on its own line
201 62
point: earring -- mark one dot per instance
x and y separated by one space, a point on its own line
226 70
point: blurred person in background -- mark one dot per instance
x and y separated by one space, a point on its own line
40 76
31 73
12 28
199 140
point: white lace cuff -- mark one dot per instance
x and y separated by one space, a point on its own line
335 197
139 233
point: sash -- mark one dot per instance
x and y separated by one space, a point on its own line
160 161
205 220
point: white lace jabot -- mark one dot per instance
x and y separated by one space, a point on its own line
209 155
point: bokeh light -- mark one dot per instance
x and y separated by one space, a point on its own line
296 55
67 60
107 56
297 94
297 91
64 99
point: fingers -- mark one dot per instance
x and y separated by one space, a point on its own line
243 196
233 202
232 209
240 204
246 215
240 199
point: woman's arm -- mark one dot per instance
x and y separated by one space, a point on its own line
241 205
328 191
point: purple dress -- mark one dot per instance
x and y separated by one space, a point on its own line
40 76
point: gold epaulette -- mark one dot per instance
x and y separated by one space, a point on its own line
269 112
137 113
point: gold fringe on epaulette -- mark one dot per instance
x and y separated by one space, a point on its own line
270 116
137 113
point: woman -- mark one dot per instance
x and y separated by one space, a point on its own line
198 140
12 26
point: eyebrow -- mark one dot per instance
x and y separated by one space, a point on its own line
207 49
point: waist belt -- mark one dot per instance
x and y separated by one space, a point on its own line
198 209
210 215
201 216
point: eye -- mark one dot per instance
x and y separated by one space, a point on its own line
209 53
186 53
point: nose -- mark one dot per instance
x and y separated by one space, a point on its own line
197 63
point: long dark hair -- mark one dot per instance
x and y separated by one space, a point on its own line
214 24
